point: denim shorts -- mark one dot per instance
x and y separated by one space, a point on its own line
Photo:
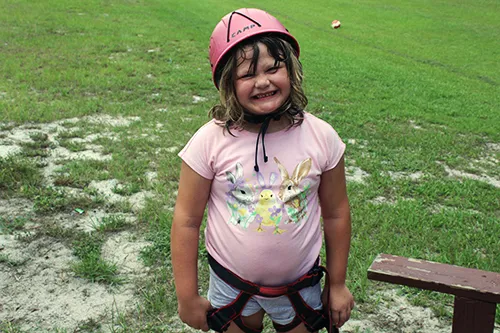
279 309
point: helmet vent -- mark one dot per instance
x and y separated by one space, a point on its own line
231 17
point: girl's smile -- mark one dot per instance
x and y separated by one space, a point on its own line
266 95
263 89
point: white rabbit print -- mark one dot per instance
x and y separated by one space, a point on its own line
291 193
268 208
240 198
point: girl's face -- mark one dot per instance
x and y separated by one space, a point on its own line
265 88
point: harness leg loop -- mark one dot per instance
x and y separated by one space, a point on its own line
314 320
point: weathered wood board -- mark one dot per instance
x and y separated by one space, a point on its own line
460 281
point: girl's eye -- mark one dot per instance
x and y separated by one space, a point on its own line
273 70
246 76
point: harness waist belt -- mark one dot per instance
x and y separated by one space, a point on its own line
220 319
310 279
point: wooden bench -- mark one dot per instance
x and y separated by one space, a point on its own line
476 292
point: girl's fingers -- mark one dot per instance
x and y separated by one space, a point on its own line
336 318
347 316
343 317
204 326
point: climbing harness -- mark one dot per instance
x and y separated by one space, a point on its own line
219 319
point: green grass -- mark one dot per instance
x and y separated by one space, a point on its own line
9 328
72 145
93 268
6 260
17 174
414 83
110 223
50 200
80 174
10 224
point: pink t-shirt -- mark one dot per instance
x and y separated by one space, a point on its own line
265 226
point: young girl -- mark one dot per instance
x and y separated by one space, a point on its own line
269 171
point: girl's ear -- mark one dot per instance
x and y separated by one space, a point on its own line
301 170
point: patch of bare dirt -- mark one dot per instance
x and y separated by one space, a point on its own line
356 174
394 314
483 169
43 293
38 290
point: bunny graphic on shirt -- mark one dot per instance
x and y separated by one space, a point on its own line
240 198
291 193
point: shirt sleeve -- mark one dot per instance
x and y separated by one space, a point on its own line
335 149
197 153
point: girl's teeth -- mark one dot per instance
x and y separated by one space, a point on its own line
265 95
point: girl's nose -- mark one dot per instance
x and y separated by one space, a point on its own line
261 81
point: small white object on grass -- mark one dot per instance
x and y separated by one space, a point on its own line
335 24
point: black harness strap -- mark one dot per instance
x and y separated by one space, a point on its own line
220 319
312 319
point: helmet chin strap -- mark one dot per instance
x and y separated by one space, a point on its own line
265 121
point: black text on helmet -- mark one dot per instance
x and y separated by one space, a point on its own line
240 31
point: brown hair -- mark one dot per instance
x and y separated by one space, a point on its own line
229 112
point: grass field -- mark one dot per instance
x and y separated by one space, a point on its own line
413 88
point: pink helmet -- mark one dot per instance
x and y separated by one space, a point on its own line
238 26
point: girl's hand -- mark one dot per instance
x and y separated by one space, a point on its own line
193 312
341 304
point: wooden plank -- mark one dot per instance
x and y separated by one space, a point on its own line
460 281
473 316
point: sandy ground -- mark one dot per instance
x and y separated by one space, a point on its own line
42 292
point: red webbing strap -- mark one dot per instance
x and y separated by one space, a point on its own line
308 280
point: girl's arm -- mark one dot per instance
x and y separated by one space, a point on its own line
337 229
192 198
